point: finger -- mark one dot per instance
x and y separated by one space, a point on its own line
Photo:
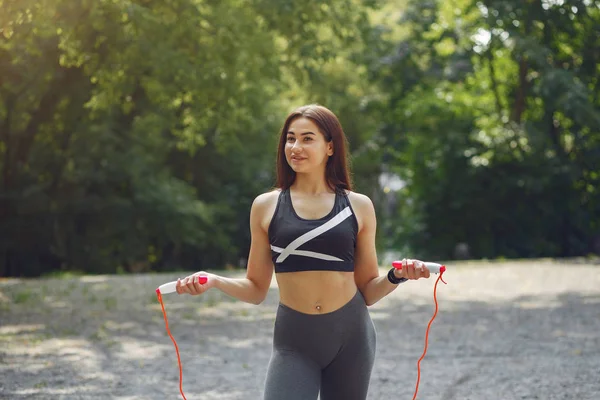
190 285
422 270
197 286
182 287
418 269
178 286
410 269
426 272
415 269
401 272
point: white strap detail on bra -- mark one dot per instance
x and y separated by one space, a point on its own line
291 248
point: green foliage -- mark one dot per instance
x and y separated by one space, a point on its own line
133 134
494 124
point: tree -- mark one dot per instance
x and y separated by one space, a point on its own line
494 124
133 133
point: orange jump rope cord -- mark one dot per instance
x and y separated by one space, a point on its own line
427 334
174 342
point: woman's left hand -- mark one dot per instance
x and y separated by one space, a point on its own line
412 269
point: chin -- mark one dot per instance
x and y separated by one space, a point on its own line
297 169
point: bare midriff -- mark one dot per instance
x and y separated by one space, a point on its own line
316 292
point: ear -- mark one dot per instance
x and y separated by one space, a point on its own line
330 148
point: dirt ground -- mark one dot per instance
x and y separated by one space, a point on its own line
511 330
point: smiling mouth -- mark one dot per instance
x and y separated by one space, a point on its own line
298 159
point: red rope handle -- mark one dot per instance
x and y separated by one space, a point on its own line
427 333
174 342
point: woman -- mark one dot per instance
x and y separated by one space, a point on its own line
319 237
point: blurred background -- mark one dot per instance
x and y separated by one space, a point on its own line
135 134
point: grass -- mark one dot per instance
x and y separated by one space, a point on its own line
68 332
152 298
243 313
40 385
62 274
23 296
211 300
100 334
110 303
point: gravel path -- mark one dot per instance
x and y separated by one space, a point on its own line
512 330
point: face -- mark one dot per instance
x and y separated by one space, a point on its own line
306 148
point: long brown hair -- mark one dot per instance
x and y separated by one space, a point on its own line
337 171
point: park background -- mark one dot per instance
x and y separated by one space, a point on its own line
135 134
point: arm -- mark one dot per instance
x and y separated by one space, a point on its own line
366 273
254 287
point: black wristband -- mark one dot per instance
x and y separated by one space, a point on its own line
392 277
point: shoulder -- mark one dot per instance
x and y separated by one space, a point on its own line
360 201
264 200
264 206
363 209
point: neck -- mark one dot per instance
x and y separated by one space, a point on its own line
311 184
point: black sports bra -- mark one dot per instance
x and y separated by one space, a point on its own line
324 244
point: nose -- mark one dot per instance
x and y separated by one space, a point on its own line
296 147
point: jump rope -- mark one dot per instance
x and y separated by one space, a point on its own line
435 268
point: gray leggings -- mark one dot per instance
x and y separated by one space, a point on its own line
332 353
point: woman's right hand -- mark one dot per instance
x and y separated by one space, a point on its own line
190 283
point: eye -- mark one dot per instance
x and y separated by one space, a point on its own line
290 138
307 138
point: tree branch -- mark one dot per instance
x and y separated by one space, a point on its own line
492 71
